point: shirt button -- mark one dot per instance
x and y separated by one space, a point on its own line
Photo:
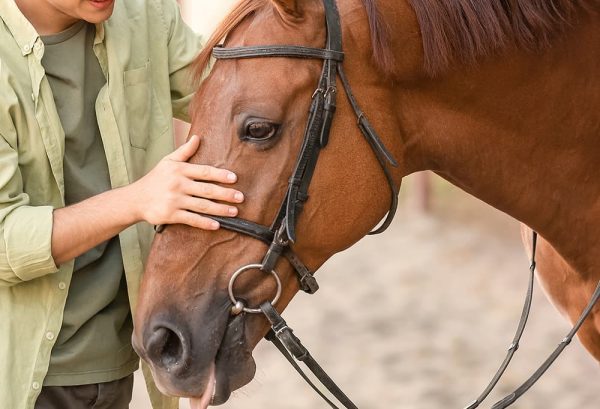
35 385
50 335
26 48
62 285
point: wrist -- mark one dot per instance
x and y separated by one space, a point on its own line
130 204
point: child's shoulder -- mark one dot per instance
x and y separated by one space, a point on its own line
144 13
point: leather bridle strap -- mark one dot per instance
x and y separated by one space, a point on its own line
511 398
247 227
284 51
306 279
514 346
282 231
292 361
282 336
383 155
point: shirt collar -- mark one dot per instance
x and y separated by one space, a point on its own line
20 28
99 33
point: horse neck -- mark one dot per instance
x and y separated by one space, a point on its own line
519 131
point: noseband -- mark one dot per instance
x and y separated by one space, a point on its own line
282 232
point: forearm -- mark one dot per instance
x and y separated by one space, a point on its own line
82 226
174 192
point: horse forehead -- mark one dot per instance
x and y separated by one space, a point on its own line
267 27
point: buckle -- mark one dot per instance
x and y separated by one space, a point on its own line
308 283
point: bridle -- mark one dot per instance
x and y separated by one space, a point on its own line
282 231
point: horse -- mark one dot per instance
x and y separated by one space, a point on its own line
498 97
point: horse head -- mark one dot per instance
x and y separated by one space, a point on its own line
252 114
468 90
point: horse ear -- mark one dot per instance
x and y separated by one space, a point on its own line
289 8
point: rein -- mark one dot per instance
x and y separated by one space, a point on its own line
282 232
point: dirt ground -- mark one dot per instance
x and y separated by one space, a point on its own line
421 318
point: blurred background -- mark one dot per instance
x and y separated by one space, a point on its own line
420 317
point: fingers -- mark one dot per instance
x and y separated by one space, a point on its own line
208 173
200 205
188 191
187 150
195 220
212 191
199 172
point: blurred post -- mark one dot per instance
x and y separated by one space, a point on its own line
422 192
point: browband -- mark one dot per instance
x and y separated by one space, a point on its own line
286 51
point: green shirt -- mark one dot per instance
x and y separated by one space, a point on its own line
144 51
97 306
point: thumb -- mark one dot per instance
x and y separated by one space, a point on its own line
187 150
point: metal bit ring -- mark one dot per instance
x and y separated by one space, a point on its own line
238 306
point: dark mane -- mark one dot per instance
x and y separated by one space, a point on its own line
464 30
380 38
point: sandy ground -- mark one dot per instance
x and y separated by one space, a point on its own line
421 317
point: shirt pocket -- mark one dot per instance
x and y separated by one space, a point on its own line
145 118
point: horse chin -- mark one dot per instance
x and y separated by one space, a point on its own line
232 368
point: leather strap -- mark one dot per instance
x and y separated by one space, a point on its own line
520 329
383 155
271 337
285 51
284 339
511 398
306 278
305 167
238 225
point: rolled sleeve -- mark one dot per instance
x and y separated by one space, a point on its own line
25 231
28 243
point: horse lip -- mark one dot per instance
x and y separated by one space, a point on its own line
233 358
221 392
231 362
208 396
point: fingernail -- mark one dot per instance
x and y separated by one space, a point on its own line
232 211
231 176
215 225
239 196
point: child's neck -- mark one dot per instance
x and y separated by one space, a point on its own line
44 17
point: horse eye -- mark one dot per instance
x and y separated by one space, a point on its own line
260 131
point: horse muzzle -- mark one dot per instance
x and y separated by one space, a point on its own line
191 355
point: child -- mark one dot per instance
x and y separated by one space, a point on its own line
88 90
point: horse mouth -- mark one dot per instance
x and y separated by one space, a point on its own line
234 365
231 367
209 394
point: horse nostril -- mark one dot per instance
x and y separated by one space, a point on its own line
165 348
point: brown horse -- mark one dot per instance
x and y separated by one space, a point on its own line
499 97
